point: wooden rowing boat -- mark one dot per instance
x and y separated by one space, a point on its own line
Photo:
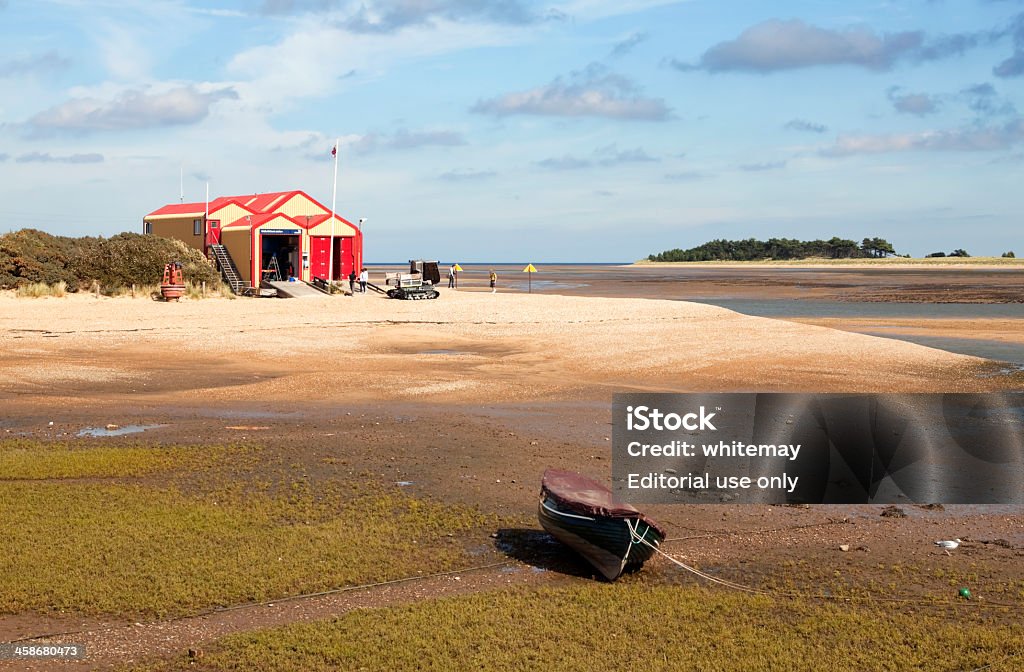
584 515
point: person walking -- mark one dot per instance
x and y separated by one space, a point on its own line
364 277
352 281
451 277
494 281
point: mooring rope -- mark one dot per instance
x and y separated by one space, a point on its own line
811 596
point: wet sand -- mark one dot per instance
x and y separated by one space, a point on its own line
939 302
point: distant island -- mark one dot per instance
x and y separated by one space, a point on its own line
781 249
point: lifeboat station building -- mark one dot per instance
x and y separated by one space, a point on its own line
264 236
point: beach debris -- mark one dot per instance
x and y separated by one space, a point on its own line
964 593
893 512
844 547
112 426
948 545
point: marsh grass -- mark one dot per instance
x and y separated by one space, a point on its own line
35 290
27 459
624 627
194 534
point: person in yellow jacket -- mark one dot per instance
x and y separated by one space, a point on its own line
494 281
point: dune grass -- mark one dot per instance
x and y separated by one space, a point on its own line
621 627
35 290
195 531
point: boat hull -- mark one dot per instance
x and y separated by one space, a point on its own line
605 542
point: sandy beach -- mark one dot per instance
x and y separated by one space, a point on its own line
467 399
469 346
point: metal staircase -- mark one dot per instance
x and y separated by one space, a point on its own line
228 269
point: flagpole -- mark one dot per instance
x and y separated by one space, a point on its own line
334 203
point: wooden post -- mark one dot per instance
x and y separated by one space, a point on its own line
133 290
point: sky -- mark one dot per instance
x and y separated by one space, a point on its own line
514 130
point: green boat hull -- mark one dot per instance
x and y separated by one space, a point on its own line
605 542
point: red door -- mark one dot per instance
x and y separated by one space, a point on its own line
318 257
212 232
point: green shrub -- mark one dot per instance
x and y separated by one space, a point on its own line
29 256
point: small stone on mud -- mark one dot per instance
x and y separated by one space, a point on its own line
844 547
893 512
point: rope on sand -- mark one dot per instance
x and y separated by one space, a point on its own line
637 539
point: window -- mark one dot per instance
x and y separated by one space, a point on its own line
197 227
147 227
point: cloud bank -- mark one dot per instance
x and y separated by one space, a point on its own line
133 109
776 45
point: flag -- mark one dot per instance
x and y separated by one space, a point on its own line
334 150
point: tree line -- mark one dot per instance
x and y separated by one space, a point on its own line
752 249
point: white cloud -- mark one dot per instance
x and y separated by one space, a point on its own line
789 44
918 104
404 139
131 109
972 139
48 62
592 92
46 157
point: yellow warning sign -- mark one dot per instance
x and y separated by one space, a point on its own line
458 268
530 268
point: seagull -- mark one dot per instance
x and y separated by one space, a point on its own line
948 545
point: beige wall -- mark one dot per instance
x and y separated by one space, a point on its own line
229 214
340 229
238 243
299 206
179 228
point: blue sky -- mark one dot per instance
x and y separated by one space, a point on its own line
570 130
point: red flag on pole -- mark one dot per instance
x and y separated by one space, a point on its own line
334 150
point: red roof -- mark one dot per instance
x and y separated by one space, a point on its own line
179 209
314 220
260 205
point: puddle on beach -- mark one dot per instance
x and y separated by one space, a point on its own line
116 430
442 351
998 351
